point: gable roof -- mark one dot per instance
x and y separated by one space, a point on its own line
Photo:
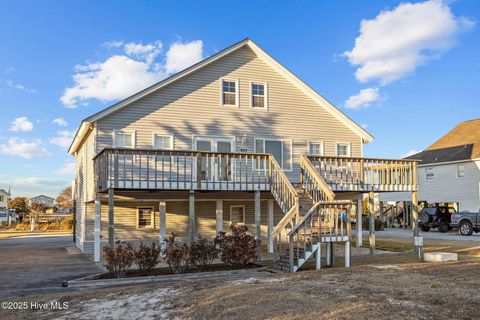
85 126
460 143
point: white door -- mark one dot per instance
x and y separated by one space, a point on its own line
214 166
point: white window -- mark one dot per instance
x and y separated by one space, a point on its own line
145 217
229 93
124 139
343 150
162 142
460 171
315 148
429 174
280 149
259 96
237 214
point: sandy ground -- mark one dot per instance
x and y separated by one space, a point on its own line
389 287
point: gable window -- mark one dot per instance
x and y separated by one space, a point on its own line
145 217
429 174
460 171
259 100
237 214
315 149
280 149
162 142
124 139
343 150
229 93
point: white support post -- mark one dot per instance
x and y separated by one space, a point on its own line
318 256
329 254
359 221
191 217
257 214
417 240
219 216
162 209
96 230
270 226
371 227
347 254
111 219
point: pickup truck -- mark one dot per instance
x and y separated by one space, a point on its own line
467 222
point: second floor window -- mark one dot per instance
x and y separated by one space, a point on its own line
229 93
162 142
429 174
258 95
124 139
315 149
461 171
343 150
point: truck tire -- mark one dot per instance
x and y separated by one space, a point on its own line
443 226
425 228
465 228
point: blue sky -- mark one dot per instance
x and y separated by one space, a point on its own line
411 71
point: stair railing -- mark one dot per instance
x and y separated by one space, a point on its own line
324 222
287 198
313 183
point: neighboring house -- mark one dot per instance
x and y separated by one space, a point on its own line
233 139
4 196
45 200
449 171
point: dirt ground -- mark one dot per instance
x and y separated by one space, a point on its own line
388 287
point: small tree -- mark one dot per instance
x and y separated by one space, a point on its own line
238 248
65 198
20 204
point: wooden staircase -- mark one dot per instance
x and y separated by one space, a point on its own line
316 218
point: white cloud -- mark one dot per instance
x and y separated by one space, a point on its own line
21 124
122 75
409 153
67 168
18 86
33 186
393 44
22 148
63 139
182 55
60 122
364 98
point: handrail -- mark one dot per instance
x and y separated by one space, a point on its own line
281 188
283 175
365 159
284 221
323 187
312 210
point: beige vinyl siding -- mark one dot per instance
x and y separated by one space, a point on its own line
192 107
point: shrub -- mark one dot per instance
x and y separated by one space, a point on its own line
202 253
237 249
176 255
118 260
147 257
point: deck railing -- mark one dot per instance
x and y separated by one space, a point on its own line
182 170
366 174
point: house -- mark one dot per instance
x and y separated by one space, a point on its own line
449 171
47 201
4 196
234 139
